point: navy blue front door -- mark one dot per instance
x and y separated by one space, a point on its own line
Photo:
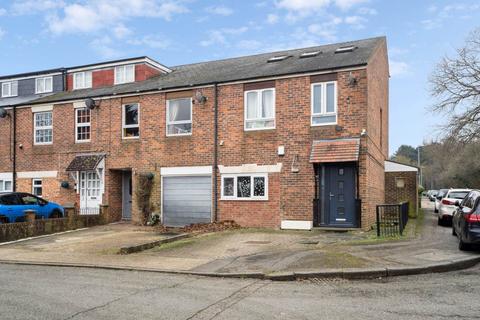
337 195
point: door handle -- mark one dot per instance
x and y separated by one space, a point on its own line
331 195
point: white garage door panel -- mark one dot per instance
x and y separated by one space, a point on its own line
187 200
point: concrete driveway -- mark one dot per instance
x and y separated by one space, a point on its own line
242 251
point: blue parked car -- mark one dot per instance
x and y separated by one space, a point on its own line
13 205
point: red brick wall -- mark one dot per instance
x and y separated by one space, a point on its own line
409 193
290 193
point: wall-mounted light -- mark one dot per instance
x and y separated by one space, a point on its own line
199 98
352 80
91 104
64 184
3 113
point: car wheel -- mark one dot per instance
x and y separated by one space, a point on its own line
440 221
463 246
55 214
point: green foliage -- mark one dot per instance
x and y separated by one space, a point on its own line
143 192
406 154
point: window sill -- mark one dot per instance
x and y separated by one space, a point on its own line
243 199
259 129
83 142
179 135
324 124
42 144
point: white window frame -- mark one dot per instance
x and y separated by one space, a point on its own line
86 80
37 186
44 79
35 128
323 111
252 187
123 69
178 122
3 183
81 125
259 102
125 126
9 85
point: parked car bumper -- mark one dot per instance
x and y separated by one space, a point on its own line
472 235
446 212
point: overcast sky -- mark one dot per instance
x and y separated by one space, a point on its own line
42 34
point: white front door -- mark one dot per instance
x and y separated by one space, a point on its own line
90 192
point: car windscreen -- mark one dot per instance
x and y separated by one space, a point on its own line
442 193
457 194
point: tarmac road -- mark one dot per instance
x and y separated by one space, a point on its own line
37 292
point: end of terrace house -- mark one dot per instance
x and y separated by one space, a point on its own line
293 139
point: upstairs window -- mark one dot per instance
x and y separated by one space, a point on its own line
43 127
131 120
82 125
9 89
44 85
324 103
179 117
260 109
124 74
82 80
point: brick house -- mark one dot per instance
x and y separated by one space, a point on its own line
293 139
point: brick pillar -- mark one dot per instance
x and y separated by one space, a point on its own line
30 215
71 213
104 214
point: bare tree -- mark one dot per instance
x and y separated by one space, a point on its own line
455 84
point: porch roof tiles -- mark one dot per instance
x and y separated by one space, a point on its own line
85 163
336 150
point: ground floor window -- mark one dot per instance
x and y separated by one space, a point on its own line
37 187
5 185
245 187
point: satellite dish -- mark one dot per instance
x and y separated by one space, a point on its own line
90 103
3 113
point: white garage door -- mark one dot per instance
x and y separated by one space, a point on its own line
187 200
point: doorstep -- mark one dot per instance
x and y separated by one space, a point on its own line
339 229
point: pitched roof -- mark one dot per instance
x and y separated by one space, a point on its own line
392 166
335 150
237 69
85 162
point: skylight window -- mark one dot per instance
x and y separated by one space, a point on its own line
277 58
345 49
310 54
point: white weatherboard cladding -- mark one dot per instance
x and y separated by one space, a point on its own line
42 108
36 174
251 168
296 224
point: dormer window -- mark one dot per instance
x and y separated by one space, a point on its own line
125 74
82 80
9 89
43 85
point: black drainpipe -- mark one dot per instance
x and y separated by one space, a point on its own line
14 162
64 76
215 151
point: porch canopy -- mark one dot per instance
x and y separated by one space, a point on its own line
85 162
335 150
